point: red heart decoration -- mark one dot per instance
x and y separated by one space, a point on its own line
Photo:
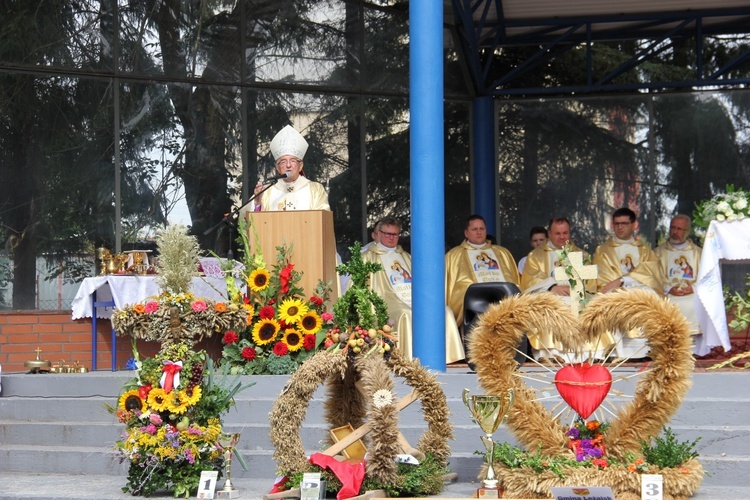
583 386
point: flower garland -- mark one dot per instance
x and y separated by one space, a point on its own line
172 414
732 205
283 329
176 314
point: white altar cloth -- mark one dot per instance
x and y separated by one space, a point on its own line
724 240
124 290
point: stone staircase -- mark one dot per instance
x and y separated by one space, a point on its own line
58 424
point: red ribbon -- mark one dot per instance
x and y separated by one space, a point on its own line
350 474
170 370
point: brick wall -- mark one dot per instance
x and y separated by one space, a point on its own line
62 339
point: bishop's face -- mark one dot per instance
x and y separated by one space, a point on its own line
289 164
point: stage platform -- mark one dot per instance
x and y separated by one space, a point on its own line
56 437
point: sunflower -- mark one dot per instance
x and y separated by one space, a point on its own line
191 397
310 323
291 310
264 331
181 400
131 401
259 280
158 400
293 339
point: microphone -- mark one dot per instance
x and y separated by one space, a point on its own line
278 176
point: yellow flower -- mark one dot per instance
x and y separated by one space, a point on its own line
131 401
264 331
292 310
158 400
310 323
259 280
178 403
191 398
293 339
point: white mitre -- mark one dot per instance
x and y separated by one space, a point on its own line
288 142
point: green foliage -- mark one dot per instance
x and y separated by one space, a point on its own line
514 457
739 305
665 451
359 306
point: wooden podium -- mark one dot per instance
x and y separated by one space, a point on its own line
309 233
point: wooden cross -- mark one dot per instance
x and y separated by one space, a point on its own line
580 272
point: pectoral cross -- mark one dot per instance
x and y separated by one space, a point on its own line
580 272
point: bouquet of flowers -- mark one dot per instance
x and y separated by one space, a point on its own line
283 328
729 206
172 414
587 441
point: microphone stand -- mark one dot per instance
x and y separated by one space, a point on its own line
229 219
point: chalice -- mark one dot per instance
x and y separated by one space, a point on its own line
488 412
228 442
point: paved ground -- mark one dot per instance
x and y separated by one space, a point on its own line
53 487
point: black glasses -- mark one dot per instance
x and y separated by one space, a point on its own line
392 235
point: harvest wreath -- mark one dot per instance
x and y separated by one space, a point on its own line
357 369
658 394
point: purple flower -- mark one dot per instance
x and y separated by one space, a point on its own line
586 443
573 433
189 456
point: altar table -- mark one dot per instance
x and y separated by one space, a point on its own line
724 241
98 297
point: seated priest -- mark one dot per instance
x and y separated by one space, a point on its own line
295 191
475 260
624 261
679 259
393 284
539 277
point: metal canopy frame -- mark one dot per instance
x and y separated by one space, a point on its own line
482 30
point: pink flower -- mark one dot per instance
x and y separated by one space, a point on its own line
326 316
155 419
152 307
231 337
199 306
150 428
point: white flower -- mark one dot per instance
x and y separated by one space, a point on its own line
381 398
729 212
722 206
740 216
740 204
720 217
731 217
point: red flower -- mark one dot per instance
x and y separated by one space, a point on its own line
245 299
280 349
231 337
309 342
248 353
315 300
144 390
284 276
267 312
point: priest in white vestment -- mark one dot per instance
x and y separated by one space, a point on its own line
295 191
679 259
475 260
393 284
624 261
539 277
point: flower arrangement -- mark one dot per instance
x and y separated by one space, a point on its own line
172 414
734 204
587 441
283 329
360 315
176 314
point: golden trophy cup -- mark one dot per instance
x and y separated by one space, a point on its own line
228 443
488 412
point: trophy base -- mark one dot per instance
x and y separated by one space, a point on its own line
486 492
228 494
